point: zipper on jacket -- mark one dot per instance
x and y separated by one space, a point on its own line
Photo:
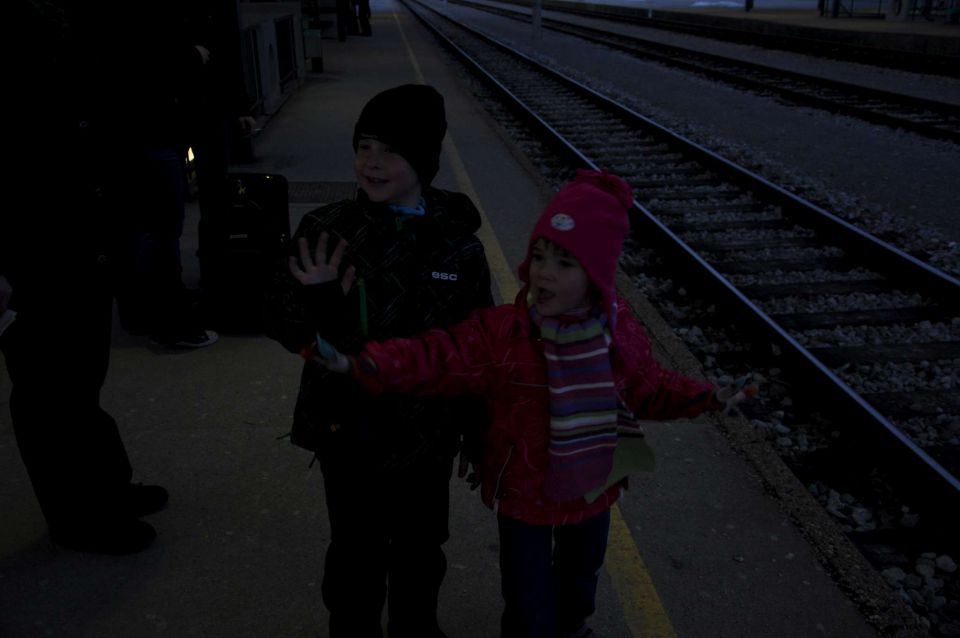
362 289
496 486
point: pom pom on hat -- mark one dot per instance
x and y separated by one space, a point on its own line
608 182
588 218
411 119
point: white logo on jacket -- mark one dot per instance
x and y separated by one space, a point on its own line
444 276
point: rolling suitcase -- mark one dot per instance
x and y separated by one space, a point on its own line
242 247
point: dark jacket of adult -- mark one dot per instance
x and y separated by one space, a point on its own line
142 61
54 241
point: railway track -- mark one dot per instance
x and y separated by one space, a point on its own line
930 118
794 273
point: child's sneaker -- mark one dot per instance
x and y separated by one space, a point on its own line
195 339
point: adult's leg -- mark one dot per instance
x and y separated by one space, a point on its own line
343 18
363 10
526 583
355 572
578 556
420 507
150 208
211 163
72 450
353 28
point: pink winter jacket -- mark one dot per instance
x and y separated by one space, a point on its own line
497 353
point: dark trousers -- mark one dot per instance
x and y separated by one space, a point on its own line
346 19
57 355
549 575
151 294
363 13
211 163
386 543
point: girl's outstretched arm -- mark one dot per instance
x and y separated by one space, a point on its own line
451 361
654 392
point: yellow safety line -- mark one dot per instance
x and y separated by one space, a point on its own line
499 268
641 606
642 609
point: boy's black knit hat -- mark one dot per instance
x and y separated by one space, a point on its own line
410 119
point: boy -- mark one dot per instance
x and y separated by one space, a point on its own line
409 261
565 371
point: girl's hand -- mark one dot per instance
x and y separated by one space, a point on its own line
204 53
735 393
315 269
326 355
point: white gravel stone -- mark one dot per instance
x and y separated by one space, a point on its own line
861 515
893 575
925 569
946 564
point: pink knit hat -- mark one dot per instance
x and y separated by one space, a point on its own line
588 218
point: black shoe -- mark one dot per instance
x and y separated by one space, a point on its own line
141 500
118 537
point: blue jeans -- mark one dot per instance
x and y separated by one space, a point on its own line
549 575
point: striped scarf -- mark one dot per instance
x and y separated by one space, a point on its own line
584 408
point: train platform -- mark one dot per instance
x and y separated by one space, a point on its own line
704 546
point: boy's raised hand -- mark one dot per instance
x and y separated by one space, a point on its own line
316 269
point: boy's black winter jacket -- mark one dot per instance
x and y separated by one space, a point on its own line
413 273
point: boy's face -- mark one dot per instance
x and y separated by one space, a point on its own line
384 175
558 283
